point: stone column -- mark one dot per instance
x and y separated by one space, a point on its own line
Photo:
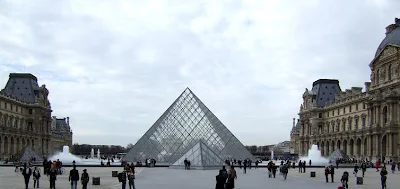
377 146
389 146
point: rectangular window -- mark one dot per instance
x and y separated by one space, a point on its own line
333 113
357 107
349 108
30 111
338 112
344 110
319 115
364 106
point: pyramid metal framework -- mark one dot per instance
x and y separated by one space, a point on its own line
186 122
201 157
26 154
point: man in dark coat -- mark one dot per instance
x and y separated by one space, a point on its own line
27 172
332 172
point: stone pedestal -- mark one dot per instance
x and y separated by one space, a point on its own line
312 174
360 180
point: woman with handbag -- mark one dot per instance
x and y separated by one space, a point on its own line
230 181
131 179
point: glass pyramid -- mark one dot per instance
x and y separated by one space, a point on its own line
201 157
186 122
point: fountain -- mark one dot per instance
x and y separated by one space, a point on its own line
92 154
315 156
272 155
66 157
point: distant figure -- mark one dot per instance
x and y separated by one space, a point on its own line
383 177
53 177
332 172
345 179
327 172
26 172
309 162
36 177
85 179
220 180
74 177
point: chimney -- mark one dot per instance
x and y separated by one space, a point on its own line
392 27
367 86
294 122
68 121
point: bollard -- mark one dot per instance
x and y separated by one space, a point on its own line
114 173
312 174
96 180
360 180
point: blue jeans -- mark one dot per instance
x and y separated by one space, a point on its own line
74 184
131 183
123 185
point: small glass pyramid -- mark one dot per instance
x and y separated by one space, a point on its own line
183 125
201 157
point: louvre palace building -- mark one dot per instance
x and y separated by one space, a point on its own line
26 120
361 123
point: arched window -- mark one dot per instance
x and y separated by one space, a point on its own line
390 72
385 115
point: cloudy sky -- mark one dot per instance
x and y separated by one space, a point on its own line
115 66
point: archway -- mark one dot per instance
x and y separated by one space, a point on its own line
358 147
345 147
33 144
365 147
333 146
339 145
28 142
12 147
351 146
384 144
6 146
322 148
23 143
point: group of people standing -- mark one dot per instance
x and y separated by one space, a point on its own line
128 174
51 173
226 178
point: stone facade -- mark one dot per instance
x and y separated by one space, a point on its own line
364 124
25 118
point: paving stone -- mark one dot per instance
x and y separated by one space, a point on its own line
153 178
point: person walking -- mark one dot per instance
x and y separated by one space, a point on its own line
230 180
26 172
327 172
332 172
53 177
393 167
220 180
122 178
363 168
131 179
73 177
345 180
285 170
36 177
383 174
356 168
85 179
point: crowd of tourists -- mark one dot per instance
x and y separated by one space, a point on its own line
35 173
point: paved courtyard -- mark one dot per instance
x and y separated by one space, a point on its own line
154 178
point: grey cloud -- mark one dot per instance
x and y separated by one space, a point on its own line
115 67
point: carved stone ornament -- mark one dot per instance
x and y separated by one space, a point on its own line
396 67
388 52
